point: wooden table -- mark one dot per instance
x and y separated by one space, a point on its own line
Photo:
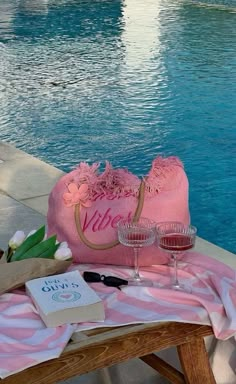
102 348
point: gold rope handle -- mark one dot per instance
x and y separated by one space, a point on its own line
111 244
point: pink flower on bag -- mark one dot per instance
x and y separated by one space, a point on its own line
77 195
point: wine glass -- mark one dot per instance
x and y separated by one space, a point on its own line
176 238
137 233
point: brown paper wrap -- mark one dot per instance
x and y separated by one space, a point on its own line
14 275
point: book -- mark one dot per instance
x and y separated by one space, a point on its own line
65 298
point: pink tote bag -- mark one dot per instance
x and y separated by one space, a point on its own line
85 206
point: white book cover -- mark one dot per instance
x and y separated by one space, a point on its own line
65 298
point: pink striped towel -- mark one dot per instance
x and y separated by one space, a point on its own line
25 341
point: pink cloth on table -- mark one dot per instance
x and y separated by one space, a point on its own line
25 341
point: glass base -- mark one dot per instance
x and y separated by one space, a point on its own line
140 282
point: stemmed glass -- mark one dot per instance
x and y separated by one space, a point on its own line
176 238
137 233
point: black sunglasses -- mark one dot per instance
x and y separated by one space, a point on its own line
110 281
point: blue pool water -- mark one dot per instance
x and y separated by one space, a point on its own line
124 81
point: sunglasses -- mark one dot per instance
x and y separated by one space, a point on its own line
110 281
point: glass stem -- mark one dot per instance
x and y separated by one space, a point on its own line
136 264
176 280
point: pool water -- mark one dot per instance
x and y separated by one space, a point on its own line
125 81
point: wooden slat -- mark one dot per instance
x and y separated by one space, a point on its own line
195 363
165 369
112 347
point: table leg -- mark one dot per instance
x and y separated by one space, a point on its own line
195 362
164 368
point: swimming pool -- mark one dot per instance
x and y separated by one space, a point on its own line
125 81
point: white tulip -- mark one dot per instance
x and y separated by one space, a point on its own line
16 240
64 244
63 253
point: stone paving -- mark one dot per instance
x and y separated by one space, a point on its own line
25 183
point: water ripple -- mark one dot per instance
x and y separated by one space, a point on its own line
125 81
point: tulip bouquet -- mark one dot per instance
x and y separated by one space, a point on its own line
32 256
36 244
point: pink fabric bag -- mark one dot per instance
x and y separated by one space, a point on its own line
85 206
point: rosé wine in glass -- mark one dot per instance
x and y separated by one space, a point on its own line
176 242
176 238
